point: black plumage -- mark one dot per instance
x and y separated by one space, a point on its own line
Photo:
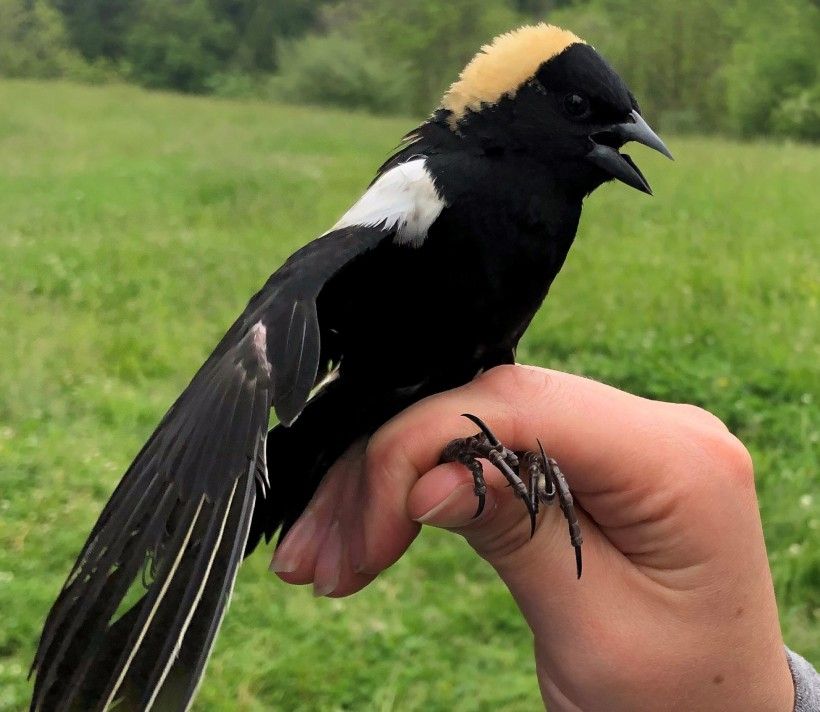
430 279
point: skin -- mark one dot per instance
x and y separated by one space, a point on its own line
675 609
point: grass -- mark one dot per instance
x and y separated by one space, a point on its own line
133 228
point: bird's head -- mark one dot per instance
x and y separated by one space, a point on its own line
543 92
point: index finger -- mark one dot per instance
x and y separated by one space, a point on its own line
597 432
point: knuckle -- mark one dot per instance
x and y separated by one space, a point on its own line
386 456
514 381
726 458
696 414
379 449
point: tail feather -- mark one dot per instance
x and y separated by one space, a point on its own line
183 511
186 603
214 604
174 531
97 587
154 599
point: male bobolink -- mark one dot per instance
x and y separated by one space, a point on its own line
482 200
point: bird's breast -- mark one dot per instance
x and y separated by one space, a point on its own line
408 314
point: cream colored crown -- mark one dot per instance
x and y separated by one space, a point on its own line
503 66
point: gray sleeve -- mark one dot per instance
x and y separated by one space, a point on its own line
806 683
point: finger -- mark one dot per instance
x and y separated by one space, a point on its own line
360 496
607 440
628 460
384 530
296 558
444 497
317 548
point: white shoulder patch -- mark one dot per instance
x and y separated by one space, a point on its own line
404 198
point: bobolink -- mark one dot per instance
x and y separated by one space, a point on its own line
482 200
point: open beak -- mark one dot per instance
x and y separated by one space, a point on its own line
605 144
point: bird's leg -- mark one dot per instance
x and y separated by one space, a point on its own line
546 482
485 445
466 451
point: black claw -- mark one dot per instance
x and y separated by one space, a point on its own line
483 428
485 445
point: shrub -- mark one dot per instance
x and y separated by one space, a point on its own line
177 45
33 41
339 71
799 116
771 79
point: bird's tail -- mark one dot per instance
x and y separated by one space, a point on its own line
154 653
137 616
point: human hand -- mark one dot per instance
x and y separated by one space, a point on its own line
675 609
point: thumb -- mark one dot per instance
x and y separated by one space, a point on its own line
445 497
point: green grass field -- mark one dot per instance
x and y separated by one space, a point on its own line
133 228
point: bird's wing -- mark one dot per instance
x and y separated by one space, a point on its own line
138 614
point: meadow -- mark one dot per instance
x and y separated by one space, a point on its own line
133 228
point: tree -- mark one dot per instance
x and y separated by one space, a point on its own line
669 52
33 41
772 77
431 39
177 44
258 25
98 28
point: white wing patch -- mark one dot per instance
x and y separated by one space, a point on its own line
404 198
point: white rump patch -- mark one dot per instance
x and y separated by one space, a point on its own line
404 198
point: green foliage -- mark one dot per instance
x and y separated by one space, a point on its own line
236 85
176 44
669 52
133 228
259 25
32 40
431 39
742 67
338 71
745 67
772 79
798 115
98 28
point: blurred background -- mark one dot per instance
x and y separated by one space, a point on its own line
159 158
745 68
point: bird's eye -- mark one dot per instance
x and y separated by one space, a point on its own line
576 105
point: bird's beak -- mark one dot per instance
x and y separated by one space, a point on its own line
605 144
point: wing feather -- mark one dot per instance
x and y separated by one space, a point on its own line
175 529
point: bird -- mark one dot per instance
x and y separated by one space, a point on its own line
429 279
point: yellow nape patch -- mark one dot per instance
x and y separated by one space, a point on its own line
504 65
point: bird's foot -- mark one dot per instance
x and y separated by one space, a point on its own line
544 480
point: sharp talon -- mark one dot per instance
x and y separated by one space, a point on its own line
533 466
483 428
543 454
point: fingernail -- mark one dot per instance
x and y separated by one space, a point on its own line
328 566
288 555
439 513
